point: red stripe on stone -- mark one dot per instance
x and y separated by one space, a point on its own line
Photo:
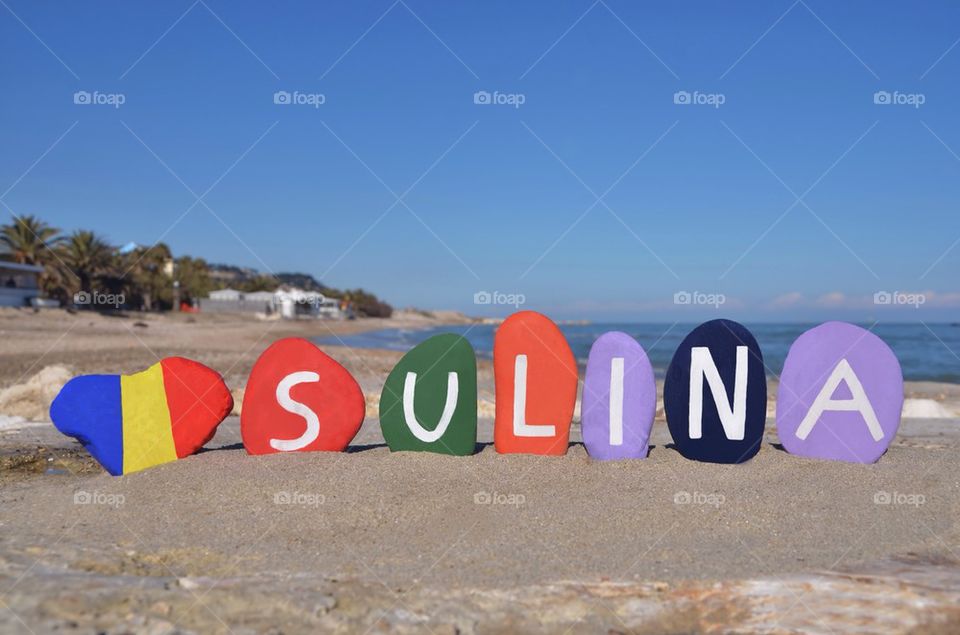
198 401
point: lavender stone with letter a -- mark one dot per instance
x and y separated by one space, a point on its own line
841 394
619 398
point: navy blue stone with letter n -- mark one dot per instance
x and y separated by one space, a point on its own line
715 394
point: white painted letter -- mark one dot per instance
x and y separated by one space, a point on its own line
449 406
616 401
733 419
283 398
520 427
825 401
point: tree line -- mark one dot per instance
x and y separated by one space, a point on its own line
84 261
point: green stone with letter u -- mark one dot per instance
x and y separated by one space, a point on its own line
429 401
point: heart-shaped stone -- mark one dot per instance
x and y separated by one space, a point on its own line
535 375
132 422
715 394
619 398
299 399
429 401
840 395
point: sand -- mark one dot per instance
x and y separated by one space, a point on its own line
225 536
370 541
87 342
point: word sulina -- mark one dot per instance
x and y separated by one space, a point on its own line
840 396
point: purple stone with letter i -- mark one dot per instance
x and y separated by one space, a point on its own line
840 396
619 398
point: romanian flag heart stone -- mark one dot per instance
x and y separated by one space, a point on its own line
132 422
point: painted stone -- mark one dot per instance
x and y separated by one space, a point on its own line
715 394
429 401
619 398
299 399
535 377
840 395
132 422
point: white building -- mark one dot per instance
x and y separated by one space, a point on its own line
294 303
226 295
258 296
19 284
289 302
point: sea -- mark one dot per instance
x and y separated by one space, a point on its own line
927 352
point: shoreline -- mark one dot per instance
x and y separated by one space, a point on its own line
42 350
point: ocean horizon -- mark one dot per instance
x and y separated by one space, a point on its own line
927 352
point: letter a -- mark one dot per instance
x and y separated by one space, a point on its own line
825 401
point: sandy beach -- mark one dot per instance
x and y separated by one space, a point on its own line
374 541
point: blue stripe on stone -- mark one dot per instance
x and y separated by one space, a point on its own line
88 408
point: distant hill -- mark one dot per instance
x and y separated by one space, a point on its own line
230 275
302 280
242 277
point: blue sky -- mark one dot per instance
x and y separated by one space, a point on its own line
798 197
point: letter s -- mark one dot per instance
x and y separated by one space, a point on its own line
283 398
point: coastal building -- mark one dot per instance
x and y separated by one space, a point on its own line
19 284
259 296
288 302
226 295
293 303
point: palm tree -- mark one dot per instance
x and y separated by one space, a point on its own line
88 256
194 278
147 274
28 240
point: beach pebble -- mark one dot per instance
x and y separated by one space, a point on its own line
535 376
325 604
298 398
715 394
840 395
188 583
132 422
619 398
429 401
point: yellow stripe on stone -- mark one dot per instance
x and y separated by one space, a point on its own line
147 434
